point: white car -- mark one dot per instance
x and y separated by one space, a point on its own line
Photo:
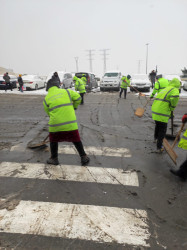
140 82
66 78
111 81
32 82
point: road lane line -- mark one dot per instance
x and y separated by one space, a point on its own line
69 173
85 222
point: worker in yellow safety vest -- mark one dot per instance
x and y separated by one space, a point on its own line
182 171
160 84
125 82
79 86
164 103
60 105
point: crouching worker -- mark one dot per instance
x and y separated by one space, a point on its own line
60 105
182 171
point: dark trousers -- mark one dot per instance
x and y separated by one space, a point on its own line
160 132
82 97
6 86
54 149
121 91
153 83
183 169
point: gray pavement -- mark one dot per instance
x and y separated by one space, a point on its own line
153 208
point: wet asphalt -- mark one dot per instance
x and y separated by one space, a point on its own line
104 121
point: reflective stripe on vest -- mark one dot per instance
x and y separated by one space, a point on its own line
46 103
184 137
160 114
62 105
167 93
60 124
163 100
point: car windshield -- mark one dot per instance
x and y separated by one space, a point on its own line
140 77
114 74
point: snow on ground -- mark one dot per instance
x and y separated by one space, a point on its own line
183 93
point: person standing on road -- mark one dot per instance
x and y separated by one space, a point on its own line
6 77
83 78
125 82
60 105
164 103
56 78
79 86
160 84
152 77
182 171
20 81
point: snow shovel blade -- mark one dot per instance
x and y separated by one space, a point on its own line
170 151
139 112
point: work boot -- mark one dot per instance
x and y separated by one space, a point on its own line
85 160
53 161
160 150
178 173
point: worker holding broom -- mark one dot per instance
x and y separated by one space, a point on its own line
164 103
60 105
182 171
125 82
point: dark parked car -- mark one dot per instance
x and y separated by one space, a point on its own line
91 80
13 81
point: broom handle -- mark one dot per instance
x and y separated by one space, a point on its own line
46 138
177 136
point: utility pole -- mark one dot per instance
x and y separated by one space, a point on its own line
90 58
139 66
146 56
104 58
76 60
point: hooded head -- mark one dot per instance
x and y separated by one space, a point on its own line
159 76
128 76
75 78
52 83
175 83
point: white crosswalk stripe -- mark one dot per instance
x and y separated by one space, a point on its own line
97 223
69 173
70 149
101 224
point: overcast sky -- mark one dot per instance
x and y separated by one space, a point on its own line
39 36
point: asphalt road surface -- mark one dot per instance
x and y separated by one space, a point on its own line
126 198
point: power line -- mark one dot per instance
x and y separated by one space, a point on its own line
104 58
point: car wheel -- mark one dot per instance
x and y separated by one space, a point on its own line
36 86
101 89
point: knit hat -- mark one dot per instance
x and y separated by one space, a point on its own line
52 83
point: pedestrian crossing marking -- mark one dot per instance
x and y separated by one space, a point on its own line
105 151
74 221
69 173
70 149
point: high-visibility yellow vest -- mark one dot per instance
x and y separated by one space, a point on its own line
165 102
161 84
125 82
183 141
59 104
80 86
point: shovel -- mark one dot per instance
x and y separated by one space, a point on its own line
40 144
169 149
140 111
